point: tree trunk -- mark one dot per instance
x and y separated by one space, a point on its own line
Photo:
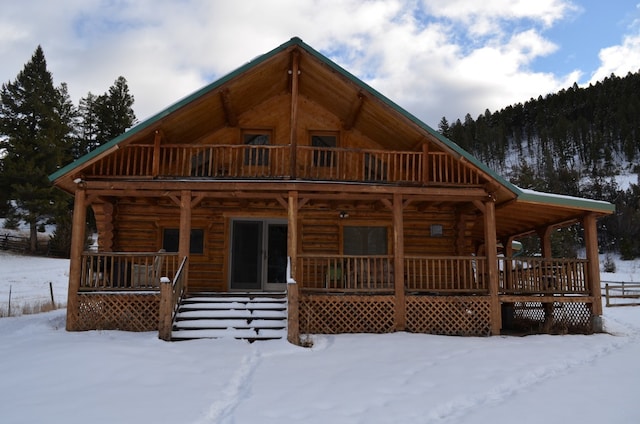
33 236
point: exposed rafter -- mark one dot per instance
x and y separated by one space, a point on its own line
229 113
356 108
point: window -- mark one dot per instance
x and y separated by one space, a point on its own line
171 240
365 240
324 141
256 155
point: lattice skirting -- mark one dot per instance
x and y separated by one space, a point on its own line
118 311
326 314
555 318
449 315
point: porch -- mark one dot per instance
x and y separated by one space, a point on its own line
350 294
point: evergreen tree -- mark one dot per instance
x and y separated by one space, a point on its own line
104 117
35 133
87 127
443 127
114 111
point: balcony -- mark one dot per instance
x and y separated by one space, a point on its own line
283 162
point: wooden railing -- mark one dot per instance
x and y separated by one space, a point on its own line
446 274
346 273
274 161
442 274
336 164
171 293
543 276
126 270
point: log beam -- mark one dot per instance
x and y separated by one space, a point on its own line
398 263
78 238
184 240
491 252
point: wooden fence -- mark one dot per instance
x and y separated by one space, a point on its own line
622 294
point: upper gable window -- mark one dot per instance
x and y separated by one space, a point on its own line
324 140
253 139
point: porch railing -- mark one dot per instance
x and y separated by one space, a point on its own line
274 161
543 276
126 270
443 274
346 273
446 274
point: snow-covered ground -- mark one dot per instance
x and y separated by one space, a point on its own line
50 375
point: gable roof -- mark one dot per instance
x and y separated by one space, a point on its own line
334 88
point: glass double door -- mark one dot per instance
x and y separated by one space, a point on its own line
258 255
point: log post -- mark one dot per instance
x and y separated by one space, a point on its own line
425 163
293 318
293 135
75 266
155 165
184 241
593 269
398 263
545 246
165 313
491 251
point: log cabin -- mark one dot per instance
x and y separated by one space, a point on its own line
291 187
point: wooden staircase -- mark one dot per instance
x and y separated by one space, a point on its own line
248 316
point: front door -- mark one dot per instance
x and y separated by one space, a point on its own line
258 255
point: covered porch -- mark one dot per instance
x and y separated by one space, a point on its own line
469 291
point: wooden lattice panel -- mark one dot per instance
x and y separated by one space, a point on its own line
127 312
449 315
566 317
325 314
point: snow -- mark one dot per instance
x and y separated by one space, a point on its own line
51 375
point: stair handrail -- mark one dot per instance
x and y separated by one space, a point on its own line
171 293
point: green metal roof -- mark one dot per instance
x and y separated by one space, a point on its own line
525 195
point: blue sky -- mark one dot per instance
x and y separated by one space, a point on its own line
433 57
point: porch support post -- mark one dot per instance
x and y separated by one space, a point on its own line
293 318
398 263
184 241
545 246
75 266
508 264
545 241
491 251
293 141
593 268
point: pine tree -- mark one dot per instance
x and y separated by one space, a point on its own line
35 133
104 117
114 111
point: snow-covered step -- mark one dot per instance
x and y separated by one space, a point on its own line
251 316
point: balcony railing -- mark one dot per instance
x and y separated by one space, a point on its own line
124 271
275 161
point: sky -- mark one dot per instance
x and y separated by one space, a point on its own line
434 58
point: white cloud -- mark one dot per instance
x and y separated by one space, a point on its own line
433 57
619 60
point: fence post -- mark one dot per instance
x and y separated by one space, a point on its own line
606 293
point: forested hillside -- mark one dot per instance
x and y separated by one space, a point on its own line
579 141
